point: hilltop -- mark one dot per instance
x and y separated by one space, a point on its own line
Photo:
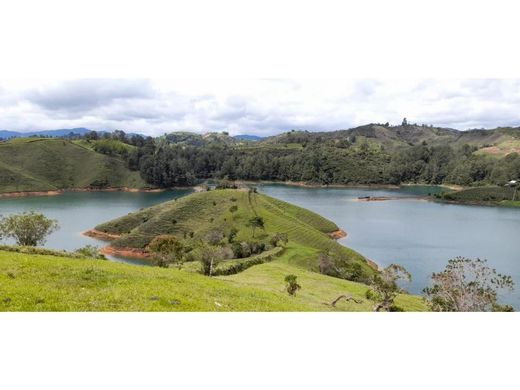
395 137
45 164
195 217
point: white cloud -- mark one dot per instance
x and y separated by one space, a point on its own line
260 107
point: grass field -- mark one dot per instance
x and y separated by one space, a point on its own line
49 283
43 164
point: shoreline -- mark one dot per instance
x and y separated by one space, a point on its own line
20 194
337 234
113 251
126 252
100 235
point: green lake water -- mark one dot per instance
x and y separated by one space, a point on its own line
417 234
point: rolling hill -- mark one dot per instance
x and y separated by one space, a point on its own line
7 134
198 215
43 164
506 139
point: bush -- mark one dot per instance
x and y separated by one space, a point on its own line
90 251
292 286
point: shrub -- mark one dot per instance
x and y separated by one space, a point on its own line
90 251
292 286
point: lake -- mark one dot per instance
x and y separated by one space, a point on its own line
420 235
77 212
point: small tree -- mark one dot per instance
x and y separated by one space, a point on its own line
279 238
292 286
29 228
467 285
214 237
232 235
256 222
233 209
90 251
209 258
168 250
385 288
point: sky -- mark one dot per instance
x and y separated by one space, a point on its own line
261 107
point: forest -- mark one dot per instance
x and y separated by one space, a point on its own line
348 157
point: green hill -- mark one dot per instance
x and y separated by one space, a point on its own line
198 215
42 164
51 283
499 141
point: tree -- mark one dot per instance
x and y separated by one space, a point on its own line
214 237
467 285
29 228
233 209
256 222
279 238
232 234
167 249
209 258
385 288
292 286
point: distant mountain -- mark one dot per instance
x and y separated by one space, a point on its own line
498 141
5 134
247 137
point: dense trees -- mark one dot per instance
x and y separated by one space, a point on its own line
180 159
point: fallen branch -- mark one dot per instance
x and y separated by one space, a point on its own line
347 298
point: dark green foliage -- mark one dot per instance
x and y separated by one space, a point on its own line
232 234
168 250
256 222
292 286
372 154
480 194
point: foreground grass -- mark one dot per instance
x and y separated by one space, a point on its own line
50 283
318 291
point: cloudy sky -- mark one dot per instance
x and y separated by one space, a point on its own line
261 107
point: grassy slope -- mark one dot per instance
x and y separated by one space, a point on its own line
48 283
484 195
48 164
206 211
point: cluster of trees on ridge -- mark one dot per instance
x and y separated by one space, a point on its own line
465 285
172 160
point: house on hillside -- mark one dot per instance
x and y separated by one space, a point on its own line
512 183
